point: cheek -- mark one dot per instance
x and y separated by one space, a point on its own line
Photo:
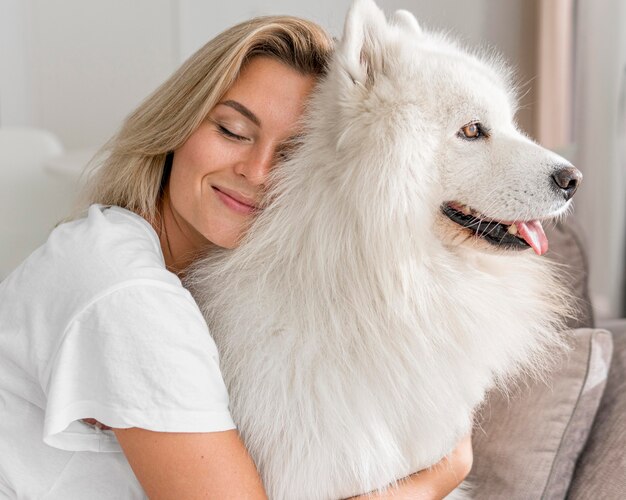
181 185
187 187
192 162
193 158
195 152
193 199
204 152
464 169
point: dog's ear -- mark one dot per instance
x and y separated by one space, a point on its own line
360 48
404 19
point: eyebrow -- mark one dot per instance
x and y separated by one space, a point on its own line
237 106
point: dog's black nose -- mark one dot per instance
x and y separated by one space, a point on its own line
566 180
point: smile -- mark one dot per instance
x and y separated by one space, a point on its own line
233 203
518 235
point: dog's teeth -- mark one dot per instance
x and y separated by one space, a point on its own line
512 229
464 209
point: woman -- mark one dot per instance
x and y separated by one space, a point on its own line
102 351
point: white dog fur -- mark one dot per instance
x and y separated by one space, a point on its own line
358 327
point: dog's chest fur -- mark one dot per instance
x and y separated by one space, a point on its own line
340 396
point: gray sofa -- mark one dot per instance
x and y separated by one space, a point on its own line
564 437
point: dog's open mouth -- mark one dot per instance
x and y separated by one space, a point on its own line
515 235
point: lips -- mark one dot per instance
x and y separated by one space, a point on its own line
236 201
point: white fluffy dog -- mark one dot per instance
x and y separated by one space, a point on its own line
381 293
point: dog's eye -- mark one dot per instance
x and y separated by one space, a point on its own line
472 131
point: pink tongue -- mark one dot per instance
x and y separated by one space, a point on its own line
533 233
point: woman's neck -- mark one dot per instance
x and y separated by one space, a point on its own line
180 244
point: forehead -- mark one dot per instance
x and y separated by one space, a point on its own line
452 80
273 91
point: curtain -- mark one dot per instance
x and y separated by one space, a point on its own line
581 108
556 63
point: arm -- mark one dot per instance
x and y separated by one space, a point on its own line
191 465
435 482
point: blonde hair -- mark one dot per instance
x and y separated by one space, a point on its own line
133 171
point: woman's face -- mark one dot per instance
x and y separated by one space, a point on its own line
218 174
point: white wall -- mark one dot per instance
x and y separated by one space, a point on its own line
16 76
600 134
88 63
74 68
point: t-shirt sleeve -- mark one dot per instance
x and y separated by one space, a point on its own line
138 356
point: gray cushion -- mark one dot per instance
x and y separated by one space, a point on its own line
566 247
526 446
601 470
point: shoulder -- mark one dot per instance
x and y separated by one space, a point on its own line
101 273
107 235
109 245
111 248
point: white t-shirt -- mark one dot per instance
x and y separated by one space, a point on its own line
92 325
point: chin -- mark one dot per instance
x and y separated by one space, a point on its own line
228 238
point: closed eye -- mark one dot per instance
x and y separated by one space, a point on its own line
230 135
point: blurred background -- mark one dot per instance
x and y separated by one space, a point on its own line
71 70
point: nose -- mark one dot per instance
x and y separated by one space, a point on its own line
566 180
257 166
